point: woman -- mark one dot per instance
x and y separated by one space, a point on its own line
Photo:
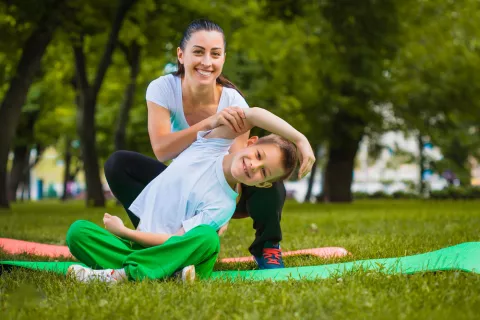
197 98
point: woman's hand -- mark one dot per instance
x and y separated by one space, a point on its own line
114 224
306 157
232 117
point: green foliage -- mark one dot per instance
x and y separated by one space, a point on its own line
381 195
456 193
434 83
409 65
449 193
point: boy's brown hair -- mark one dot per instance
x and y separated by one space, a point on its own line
289 153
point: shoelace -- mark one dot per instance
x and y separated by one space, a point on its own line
272 255
112 275
108 276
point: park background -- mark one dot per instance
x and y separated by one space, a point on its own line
386 91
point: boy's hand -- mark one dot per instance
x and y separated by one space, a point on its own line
306 156
114 224
232 117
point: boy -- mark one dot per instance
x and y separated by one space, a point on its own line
181 210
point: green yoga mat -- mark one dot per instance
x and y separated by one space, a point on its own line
56 267
463 257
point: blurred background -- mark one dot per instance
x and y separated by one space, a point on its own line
386 91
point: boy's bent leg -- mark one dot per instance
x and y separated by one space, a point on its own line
96 247
264 206
127 174
199 246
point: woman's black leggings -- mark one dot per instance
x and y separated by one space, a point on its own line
129 172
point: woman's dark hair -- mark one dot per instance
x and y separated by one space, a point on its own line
203 25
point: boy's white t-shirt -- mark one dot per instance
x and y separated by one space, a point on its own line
191 191
166 91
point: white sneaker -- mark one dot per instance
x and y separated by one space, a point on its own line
187 274
84 274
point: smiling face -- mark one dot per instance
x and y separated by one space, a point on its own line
203 56
258 164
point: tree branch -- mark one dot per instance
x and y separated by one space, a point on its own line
126 51
123 7
80 65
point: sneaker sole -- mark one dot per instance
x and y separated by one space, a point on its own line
76 272
188 274
81 274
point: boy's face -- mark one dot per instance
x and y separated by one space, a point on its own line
257 164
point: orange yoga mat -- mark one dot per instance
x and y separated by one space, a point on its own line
13 246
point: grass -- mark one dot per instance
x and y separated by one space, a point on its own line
368 229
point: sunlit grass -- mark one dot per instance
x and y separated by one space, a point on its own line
370 229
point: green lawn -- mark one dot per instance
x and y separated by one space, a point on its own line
368 229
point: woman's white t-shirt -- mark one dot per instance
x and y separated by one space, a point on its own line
166 91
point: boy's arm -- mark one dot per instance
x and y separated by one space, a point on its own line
266 120
257 117
147 239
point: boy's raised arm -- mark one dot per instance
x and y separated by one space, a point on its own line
258 117
268 121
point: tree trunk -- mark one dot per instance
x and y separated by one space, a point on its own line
311 179
66 172
133 57
421 165
347 132
15 97
87 134
323 196
458 153
87 100
26 183
20 162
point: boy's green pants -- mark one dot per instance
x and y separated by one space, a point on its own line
100 249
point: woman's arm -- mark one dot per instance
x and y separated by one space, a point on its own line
167 145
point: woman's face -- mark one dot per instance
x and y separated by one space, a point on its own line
203 57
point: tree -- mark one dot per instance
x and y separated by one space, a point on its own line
28 65
23 142
87 101
132 55
434 91
366 35
323 70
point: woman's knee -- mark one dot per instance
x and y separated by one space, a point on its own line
277 191
115 163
